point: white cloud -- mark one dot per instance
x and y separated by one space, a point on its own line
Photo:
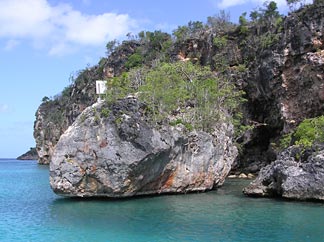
3 108
59 27
21 18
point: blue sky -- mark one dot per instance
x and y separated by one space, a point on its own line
44 42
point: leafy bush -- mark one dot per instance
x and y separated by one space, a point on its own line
169 86
285 141
134 60
220 42
307 133
45 99
111 46
310 131
117 87
243 26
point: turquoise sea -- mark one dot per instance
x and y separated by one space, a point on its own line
30 211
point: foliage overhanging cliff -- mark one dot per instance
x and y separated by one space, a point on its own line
276 61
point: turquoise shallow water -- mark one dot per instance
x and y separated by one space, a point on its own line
30 211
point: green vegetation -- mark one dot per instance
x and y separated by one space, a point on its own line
187 125
111 46
152 46
118 87
308 132
170 87
261 32
189 31
268 39
243 27
220 42
105 112
134 60
45 99
219 24
285 141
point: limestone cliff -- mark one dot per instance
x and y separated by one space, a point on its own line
55 115
284 82
280 67
113 151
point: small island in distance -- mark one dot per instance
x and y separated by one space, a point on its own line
29 155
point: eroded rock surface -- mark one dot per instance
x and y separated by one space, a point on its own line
55 115
116 153
291 176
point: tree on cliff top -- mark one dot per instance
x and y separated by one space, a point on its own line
173 89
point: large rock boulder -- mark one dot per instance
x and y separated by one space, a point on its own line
291 176
115 152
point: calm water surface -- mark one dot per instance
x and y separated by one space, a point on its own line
30 211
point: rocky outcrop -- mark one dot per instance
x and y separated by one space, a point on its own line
284 82
29 155
302 77
55 115
114 65
115 152
291 176
279 66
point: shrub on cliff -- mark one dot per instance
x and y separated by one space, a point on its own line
310 131
307 133
173 88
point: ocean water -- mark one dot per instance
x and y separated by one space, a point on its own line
30 211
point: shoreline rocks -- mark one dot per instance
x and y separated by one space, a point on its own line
121 155
291 177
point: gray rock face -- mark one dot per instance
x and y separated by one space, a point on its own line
284 85
291 179
54 116
121 155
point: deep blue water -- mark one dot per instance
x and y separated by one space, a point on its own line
30 211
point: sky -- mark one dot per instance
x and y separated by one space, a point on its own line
44 42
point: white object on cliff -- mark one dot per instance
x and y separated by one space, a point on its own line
101 87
